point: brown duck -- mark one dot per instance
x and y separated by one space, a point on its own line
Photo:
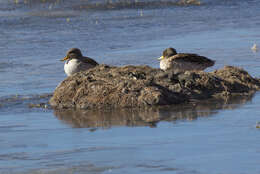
183 61
76 62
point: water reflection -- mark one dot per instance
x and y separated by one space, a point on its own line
148 117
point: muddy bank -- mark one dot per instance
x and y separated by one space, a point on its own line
25 101
143 86
113 4
133 4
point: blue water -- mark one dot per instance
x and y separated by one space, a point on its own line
36 34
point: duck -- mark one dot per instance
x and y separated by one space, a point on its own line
76 62
171 60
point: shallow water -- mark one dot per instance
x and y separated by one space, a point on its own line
217 137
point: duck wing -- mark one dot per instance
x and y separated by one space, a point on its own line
89 60
192 58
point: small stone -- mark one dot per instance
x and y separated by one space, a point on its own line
39 105
254 48
257 125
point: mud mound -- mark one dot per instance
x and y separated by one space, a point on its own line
142 86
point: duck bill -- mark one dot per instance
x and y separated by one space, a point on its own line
160 58
65 58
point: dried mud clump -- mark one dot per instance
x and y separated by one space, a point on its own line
142 86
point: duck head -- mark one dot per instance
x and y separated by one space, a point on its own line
72 53
168 52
